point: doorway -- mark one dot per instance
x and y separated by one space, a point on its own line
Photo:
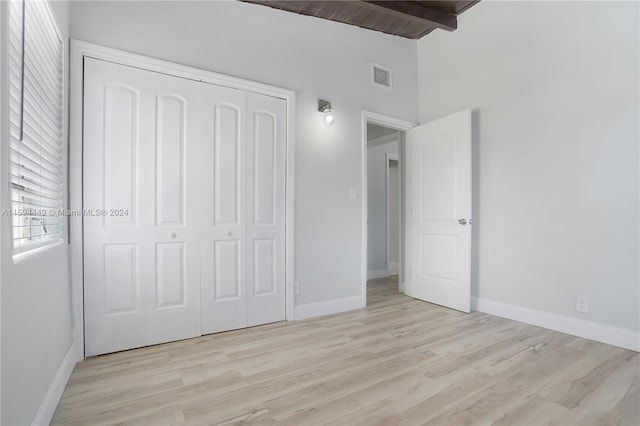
435 191
382 201
383 212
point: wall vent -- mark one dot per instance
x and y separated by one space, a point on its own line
381 76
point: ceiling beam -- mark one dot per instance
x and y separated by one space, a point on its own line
415 12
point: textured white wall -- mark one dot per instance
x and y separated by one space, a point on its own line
377 205
314 57
557 93
36 306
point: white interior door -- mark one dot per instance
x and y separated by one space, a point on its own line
141 130
441 211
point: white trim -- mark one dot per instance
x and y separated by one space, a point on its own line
387 121
329 307
388 157
158 65
4 115
365 213
290 208
81 49
402 260
407 215
380 120
33 251
615 336
377 273
382 140
394 268
75 196
56 388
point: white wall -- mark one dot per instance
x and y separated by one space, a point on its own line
314 57
374 131
377 208
556 88
36 311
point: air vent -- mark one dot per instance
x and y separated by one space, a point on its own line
381 76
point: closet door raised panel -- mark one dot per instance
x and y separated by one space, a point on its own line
266 150
223 220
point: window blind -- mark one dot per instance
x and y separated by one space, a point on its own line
35 124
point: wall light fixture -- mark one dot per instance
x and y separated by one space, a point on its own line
325 108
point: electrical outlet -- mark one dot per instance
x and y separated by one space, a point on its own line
296 288
582 304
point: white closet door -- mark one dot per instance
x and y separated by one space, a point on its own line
243 211
223 216
266 138
141 130
185 186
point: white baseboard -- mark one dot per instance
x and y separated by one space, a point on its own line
620 337
394 268
311 310
59 382
377 273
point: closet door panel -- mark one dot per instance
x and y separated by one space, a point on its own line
266 150
173 204
141 275
223 222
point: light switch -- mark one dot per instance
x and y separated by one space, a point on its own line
353 195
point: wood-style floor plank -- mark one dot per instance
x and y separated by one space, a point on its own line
399 361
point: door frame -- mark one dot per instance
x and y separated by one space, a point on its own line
402 126
388 157
79 50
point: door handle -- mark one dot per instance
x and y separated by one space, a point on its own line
463 221
172 234
228 233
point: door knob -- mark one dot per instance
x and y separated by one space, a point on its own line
172 234
228 233
462 221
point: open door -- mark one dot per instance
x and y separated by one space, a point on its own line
440 153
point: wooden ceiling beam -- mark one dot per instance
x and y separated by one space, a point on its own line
415 12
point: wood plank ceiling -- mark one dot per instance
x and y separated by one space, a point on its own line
409 19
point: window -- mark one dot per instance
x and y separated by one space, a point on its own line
35 124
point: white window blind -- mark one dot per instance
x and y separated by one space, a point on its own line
36 124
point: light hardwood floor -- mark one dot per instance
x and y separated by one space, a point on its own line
399 361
